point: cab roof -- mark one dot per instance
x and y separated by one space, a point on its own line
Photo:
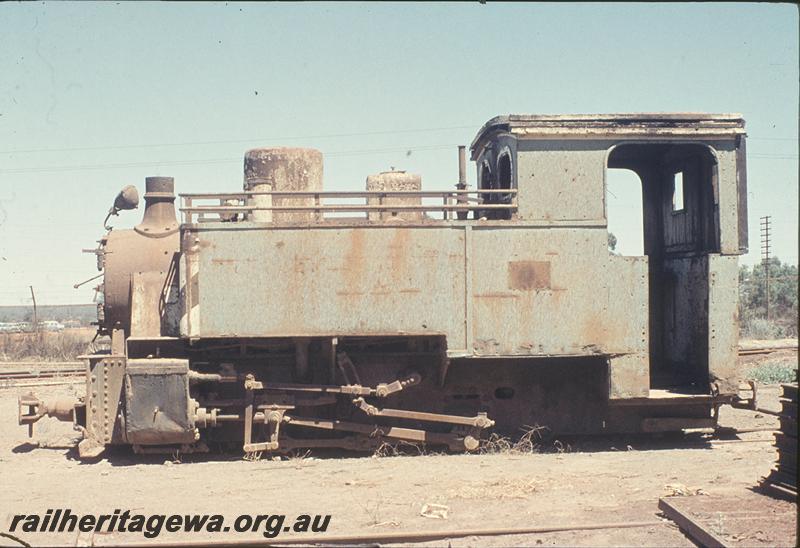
647 125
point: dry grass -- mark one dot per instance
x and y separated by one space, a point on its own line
373 509
528 442
252 456
297 455
64 346
400 448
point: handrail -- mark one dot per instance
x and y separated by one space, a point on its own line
344 207
345 193
459 201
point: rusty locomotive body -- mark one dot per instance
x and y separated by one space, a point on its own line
285 316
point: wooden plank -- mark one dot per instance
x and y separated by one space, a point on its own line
674 424
380 539
689 526
781 477
785 443
789 391
788 409
789 462
778 490
789 427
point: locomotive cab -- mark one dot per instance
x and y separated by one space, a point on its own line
694 201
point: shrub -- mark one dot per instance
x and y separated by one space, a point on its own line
774 372
761 328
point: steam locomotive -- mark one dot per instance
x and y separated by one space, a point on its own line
284 316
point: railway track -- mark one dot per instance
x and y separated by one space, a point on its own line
49 373
765 350
21 374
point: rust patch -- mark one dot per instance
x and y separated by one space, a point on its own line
594 332
486 347
194 291
398 255
353 263
529 275
381 291
496 295
301 264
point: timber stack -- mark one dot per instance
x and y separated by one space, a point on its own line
784 475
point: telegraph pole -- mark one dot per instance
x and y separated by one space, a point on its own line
35 317
765 249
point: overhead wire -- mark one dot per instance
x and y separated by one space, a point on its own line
333 154
282 138
235 141
211 161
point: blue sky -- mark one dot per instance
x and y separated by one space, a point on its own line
95 96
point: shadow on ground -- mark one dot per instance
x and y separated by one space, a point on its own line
124 455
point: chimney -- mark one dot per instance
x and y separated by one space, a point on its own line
159 208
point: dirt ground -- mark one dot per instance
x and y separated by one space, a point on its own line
597 480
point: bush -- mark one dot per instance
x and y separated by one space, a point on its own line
774 372
783 300
761 328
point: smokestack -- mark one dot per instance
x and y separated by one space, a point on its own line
159 208
462 167
461 199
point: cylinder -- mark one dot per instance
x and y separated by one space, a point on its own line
282 170
394 181
259 200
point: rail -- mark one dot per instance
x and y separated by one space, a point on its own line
26 374
369 205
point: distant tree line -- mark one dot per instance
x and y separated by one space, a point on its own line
83 313
782 300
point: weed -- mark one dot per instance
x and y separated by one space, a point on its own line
373 510
295 456
528 442
761 329
720 525
253 456
398 449
774 371
42 346
561 447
